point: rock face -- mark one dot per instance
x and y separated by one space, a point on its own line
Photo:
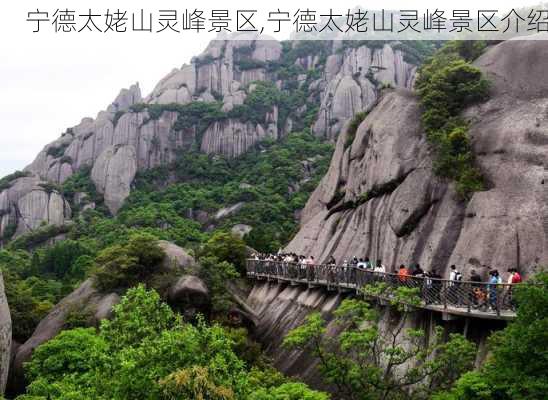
281 308
189 287
27 204
417 217
113 173
350 84
176 258
5 337
123 140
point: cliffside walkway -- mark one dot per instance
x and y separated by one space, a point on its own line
452 299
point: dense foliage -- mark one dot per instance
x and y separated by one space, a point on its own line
147 352
271 182
120 266
447 84
516 368
366 363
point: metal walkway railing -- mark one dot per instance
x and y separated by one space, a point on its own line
464 298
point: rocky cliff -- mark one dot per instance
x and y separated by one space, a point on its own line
5 337
135 133
281 308
380 197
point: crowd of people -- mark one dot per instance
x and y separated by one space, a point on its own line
479 293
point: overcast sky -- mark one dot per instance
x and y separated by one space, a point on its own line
49 82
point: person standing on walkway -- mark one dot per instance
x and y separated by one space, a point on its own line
494 281
403 274
455 277
475 288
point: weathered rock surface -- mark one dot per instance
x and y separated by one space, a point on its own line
281 308
120 139
232 138
5 337
418 218
241 230
28 204
113 173
189 288
84 299
351 80
176 258
228 211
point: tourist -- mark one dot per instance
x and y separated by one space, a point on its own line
417 276
418 271
403 274
455 277
516 277
435 278
513 279
494 281
379 267
475 289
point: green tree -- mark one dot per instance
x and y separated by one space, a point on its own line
289 391
447 84
226 247
363 362
516 368
120 266
217 274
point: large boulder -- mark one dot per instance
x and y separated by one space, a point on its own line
418 217
28 204
85 299
189 289
176 258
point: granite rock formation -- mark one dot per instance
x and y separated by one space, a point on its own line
29 203
413 216
5 337
123 140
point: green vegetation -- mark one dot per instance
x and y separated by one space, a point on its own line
353 128
364 362
447 84
226 247
516 368
120 266
271 181
147 352
31 291
258 103
216 274
57 151
6 182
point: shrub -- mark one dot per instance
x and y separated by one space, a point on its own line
121 266
353 127
447 84
6 182
226 247
57 151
